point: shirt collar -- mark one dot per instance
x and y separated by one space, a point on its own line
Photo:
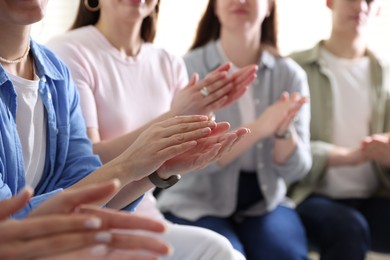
215 56
43 64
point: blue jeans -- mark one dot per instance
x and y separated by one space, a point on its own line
278 234
346 229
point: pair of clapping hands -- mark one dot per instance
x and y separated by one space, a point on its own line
190 141
66 227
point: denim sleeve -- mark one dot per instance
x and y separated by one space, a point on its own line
132 206
33 203
75 157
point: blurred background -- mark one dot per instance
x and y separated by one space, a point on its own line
301 24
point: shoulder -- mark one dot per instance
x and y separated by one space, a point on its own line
300 55
47 58
287 67
160 53
78 40
169 63
196 56
80 35
202 59
382 60
307 56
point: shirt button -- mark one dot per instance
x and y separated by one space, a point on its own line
49 95
43 79
259 145
260 165
264 187
257 101
57 131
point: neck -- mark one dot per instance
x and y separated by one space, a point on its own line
241 49
346 46
124 37
15 41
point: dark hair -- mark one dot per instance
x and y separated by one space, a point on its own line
85 17
209 28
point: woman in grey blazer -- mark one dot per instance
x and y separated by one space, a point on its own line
242 196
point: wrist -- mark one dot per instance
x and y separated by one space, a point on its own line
283 135
163 183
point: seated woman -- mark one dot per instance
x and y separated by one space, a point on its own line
126 84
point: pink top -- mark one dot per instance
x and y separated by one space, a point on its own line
120 93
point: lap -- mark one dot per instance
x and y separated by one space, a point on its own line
191 242
336 220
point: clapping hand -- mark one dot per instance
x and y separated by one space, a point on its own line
377 148
64 227
217 90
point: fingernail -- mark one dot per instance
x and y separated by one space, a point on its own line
104 237
99 250
206 130
93 223
170 251
116 182
26 189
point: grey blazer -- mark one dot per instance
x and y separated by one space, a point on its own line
212 191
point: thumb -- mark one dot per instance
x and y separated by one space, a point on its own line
194 79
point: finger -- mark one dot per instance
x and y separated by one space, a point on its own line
124 220
284 97
207 155
14 204
217 103
133 241
181 120
214 81
175 150
222 91
241 132
103 252
221 128
60 244
227 141
224 67
48 226
244 76
194 79
70 199
187 128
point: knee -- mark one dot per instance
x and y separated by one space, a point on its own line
220 248
350 227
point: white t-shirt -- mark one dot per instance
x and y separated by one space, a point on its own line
120 93
246 105
351 84
31 125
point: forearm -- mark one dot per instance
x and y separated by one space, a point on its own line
283 148
109 171
340 156
130 193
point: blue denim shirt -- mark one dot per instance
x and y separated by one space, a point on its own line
69 155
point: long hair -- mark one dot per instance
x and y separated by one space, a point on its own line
85 17
209 28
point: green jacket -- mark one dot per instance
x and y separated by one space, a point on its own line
321 103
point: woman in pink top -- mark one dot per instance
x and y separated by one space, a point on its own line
126 84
